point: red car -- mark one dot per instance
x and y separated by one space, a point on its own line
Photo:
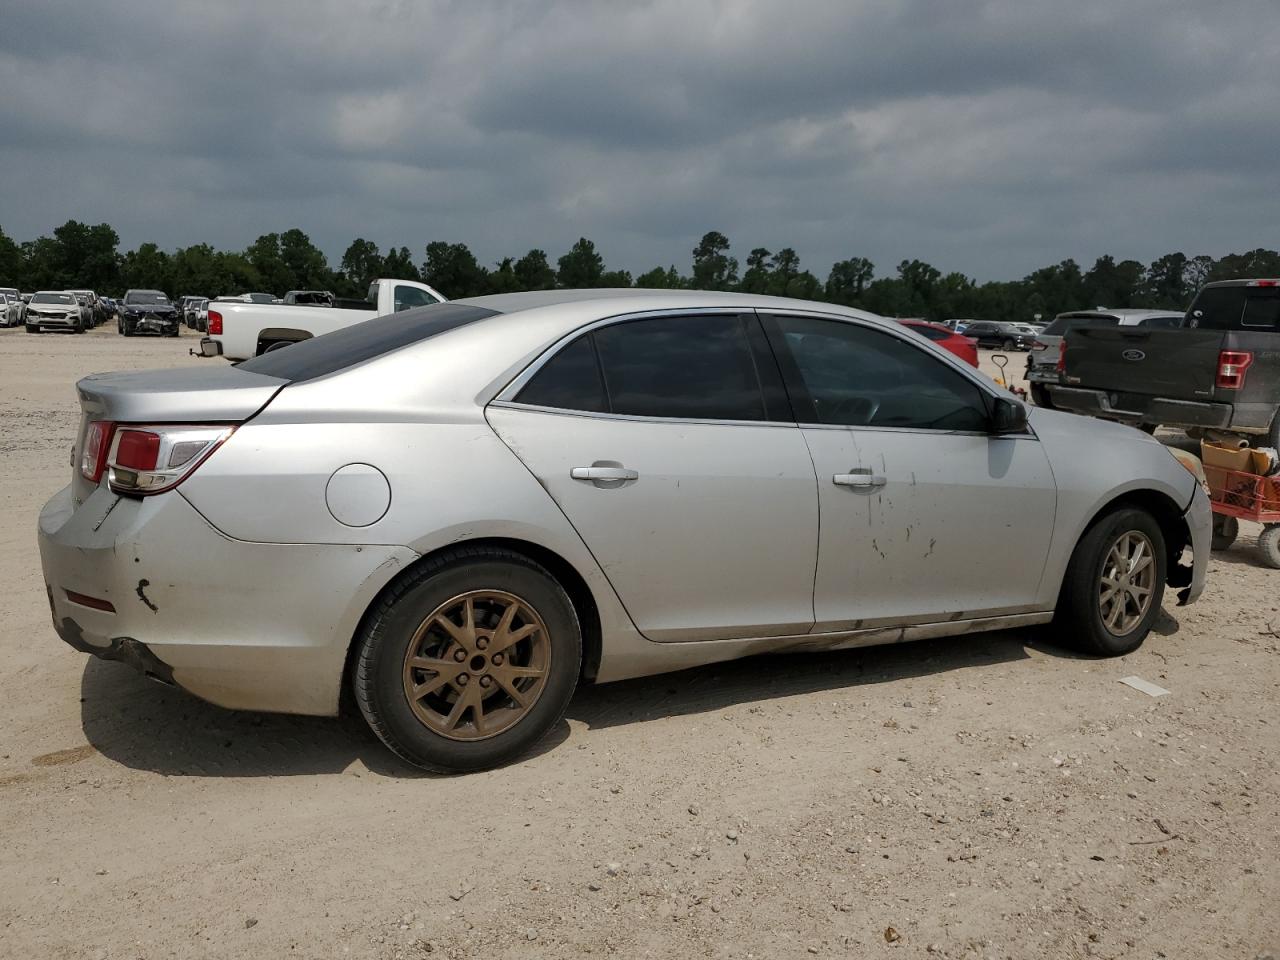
963 347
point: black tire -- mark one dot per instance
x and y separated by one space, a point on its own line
174 333
33 328
1149 428
1225 531
126 330
1040 396
1269 545
382 644
1078 619
1007 345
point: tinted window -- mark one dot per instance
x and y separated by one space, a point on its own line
363 341
1230 308
570 380
692 367
409 297
53 298
1162 322
930 333
858 376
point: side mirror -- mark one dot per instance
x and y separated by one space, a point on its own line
1008 416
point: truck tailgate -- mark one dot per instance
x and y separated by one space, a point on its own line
1179 363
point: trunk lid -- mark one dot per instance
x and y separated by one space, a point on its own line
1178 363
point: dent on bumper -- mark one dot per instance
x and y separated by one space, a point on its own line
1199 518
245 625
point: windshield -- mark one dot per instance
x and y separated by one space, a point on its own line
53 298
146 297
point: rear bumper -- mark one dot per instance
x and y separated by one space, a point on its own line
1136 408
1042 374
209 348
245 625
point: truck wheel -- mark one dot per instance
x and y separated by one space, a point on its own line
1114 584
1269 545
1225 531
1007 345
468 661
1040 396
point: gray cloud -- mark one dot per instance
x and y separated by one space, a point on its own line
989 137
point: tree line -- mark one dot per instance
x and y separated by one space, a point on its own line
83 255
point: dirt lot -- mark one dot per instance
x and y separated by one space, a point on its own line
984 797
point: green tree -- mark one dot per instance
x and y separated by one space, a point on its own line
453 270
88 255
11 265
398 265
265 256
1166 282
660 279
306 263
534 272
361 265
712 268
783 268
147 268
848 278
756 278
1244 266
504 279
614 279
1061 288
581 268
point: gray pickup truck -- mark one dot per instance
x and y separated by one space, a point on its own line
1219 371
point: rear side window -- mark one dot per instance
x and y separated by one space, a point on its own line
345 348
690 367
1163 323
1235 308
406 298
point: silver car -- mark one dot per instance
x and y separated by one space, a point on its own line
1042 361
465 510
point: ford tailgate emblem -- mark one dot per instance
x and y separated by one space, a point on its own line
1134 355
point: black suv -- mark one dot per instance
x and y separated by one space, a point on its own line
1000 336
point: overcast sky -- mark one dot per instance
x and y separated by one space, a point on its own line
991 138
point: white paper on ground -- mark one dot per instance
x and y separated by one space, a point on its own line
1146 686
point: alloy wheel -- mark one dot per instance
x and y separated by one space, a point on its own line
1127 583
477 664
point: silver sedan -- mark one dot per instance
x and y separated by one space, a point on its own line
463 511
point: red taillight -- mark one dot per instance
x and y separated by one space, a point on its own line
137 450
1232 365
97 443
1264 283
215 322
1039 345
1062 355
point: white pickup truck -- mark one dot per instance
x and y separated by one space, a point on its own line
239 330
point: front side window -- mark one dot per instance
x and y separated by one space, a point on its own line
854 375
690 367
409 297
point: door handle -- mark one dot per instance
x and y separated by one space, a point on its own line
605 474
861 478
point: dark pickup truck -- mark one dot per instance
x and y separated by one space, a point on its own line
1219 371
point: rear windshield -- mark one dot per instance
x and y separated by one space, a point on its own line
1061 324
344 348
931 333
1237 308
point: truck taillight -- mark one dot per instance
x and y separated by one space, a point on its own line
1062 355
152 459
215 323
93 455
1232 366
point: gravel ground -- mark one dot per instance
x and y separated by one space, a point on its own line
993 796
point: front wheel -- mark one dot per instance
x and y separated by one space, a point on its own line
33 328
469 661
1114 584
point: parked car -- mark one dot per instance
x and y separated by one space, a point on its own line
1042 361
202 316
97 313
467 509
187 307
15 312
238 331
999 336
1219 371
148 311
109 308
963 347
56 310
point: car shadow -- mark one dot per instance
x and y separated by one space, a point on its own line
145 725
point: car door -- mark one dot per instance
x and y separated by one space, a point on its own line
926 515
668 443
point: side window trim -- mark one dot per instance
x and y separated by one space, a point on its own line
805 411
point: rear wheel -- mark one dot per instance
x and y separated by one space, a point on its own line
469 661
1040 396
1114 584
1269 545
1006 345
